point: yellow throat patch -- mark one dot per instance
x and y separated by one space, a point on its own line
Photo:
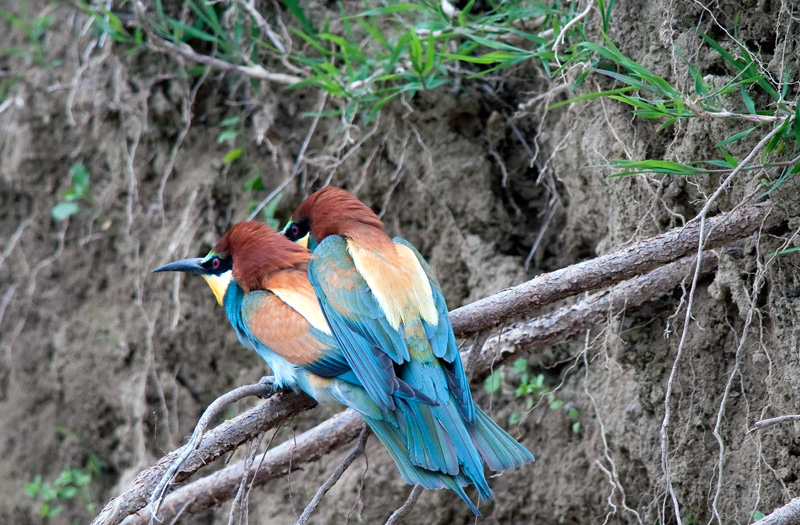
219 284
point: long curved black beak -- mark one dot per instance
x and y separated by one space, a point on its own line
184 265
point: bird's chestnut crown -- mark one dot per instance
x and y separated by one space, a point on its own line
330 211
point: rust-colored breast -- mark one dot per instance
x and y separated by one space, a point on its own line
281 328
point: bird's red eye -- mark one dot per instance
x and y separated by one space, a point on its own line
295 230
215 262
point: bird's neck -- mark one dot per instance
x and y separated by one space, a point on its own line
368 236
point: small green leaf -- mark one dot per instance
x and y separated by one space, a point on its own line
656 166
227 136
748 101
556 404
80 178
729 158
230 121
492 383
514 418
576 427
796 124
589 96
572 413
62 210
64 478
33 488
68 492
520 365
81 477
269 211
232 155
396 8
254 183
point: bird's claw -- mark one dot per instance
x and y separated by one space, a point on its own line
269 383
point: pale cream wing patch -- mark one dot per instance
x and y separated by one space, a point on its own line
305 303
398 282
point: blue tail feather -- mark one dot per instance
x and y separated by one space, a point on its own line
427 440
498 449
396 446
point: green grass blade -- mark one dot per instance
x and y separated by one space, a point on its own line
390 9
655 166
733 138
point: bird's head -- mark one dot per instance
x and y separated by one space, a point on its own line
248 255
329 211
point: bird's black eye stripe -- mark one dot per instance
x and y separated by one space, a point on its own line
217 265
297 230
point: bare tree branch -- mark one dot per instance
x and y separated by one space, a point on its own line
213 410
535 334
557 326
611 268
764 423
288 456
218 441
789 514
398 515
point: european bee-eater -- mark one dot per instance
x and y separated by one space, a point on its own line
388 316
261 279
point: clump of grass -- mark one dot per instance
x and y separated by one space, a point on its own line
368 58
33 27
532 389
652 97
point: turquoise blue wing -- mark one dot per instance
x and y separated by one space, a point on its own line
443 342
364 336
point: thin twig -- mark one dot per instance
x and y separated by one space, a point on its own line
757 282
239 503
613 475
553 206
213 410
398 515
563 33
474 352
298 161
289 455
701 245
764 423
217 441
344 465
161 45
12 241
